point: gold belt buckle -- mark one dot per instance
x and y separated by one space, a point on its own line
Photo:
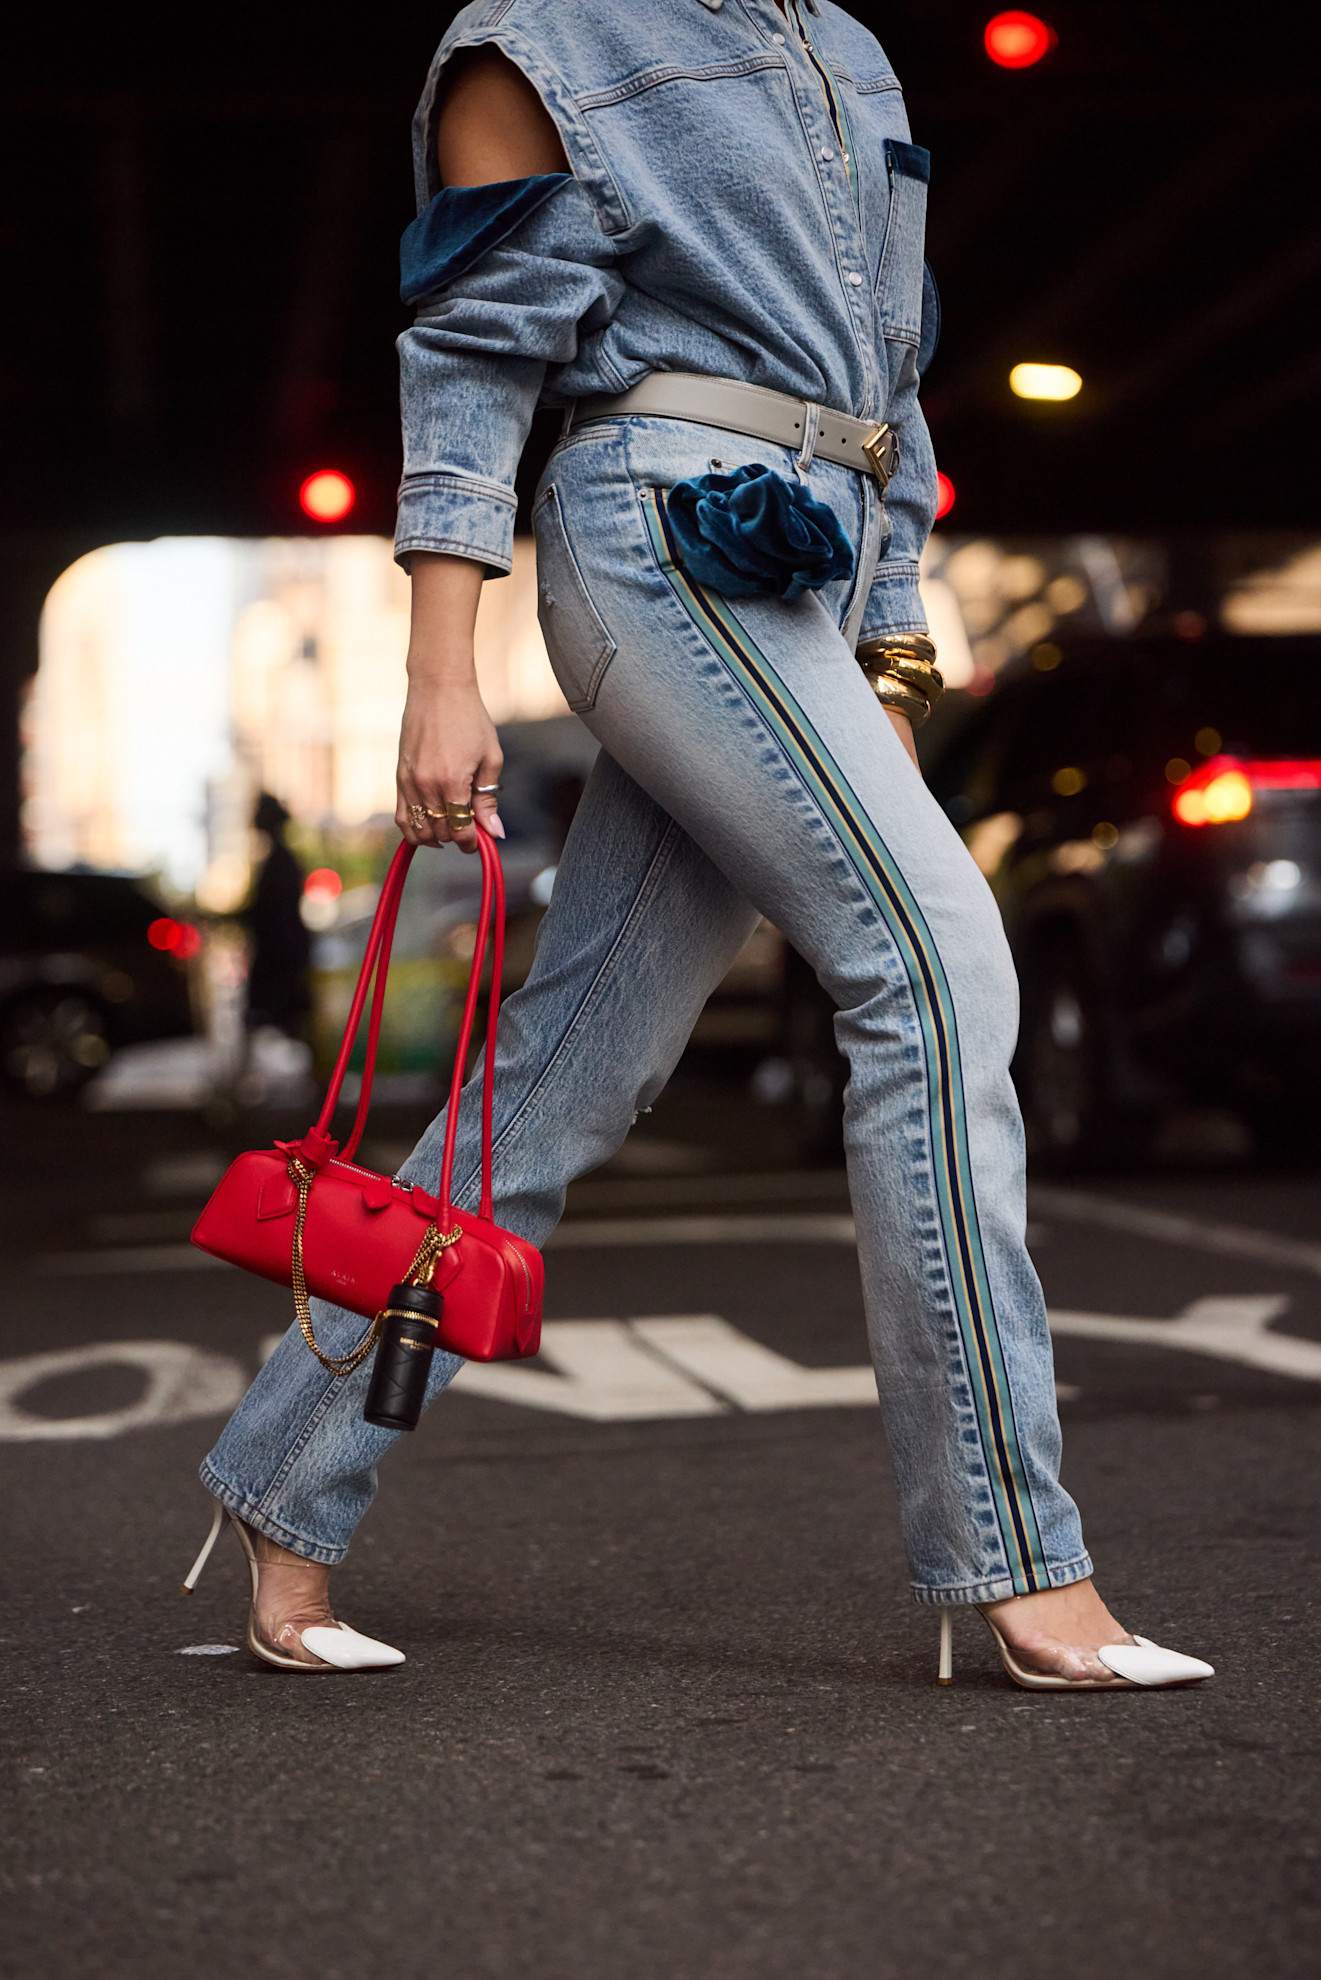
882 450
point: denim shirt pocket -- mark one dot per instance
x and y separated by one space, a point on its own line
899 280
577 639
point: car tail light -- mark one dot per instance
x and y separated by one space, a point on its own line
1223 789
175 938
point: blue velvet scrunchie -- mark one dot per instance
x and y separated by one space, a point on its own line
751 534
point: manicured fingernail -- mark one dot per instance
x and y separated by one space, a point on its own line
496 829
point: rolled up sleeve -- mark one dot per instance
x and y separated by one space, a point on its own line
472 369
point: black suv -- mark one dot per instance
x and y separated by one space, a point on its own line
88 962
1148 813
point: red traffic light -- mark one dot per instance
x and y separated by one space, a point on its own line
174 938
944 495
327 496
1016 41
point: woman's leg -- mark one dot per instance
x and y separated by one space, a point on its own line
641 929
753 726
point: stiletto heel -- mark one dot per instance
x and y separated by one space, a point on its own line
945 1675
190 1579
335 1646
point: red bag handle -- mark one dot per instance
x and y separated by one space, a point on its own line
375 968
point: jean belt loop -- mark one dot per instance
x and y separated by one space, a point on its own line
811 427
569 412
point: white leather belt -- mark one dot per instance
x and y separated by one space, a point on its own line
813 431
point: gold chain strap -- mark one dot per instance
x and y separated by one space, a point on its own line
434 1242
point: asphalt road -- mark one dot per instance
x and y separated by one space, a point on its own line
668 1712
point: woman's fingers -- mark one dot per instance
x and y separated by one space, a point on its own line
413 816
447 748
485 793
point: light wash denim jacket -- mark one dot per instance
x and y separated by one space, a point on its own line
744 202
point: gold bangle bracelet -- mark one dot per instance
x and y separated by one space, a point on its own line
902 699
897 646
914 673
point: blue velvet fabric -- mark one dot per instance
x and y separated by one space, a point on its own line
912 159
462 224
752 534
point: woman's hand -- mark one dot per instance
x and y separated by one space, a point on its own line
447 747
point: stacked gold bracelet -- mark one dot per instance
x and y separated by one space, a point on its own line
902 670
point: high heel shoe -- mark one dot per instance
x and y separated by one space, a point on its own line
335 1646
1136 1666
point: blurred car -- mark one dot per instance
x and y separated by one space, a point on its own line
1148 813
88 962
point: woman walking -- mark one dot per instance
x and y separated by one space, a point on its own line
697 225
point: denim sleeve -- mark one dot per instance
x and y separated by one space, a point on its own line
893 604
473 366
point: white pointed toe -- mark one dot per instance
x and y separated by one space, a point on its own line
1143 1662
347 1651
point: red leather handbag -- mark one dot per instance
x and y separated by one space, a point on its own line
304 1214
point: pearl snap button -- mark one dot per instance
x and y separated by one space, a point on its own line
778 39
856 280
827 153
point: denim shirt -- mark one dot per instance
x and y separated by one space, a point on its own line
743 200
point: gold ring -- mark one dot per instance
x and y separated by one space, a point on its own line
434 814
484 790
418 816
458 817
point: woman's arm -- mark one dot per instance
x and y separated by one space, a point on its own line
493 127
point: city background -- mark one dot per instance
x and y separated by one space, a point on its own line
668 1711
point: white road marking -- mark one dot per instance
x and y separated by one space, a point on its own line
208 1650
644 1370
804 1227
608 1233
1231 1329
606 1374
182 1382
749 1375
1166 1227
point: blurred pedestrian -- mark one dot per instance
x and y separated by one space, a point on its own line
278 992
698 228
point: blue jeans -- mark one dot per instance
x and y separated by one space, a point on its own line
747 770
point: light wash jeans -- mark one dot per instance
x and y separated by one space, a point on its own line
747 770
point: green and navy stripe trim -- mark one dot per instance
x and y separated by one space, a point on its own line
951 1165
835 105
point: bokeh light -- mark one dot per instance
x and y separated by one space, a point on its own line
1015 40
327 496
323 884
174 938
1218 799
944 495
1045 381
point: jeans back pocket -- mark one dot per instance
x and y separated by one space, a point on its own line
577 640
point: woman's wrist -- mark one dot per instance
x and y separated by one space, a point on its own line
432 667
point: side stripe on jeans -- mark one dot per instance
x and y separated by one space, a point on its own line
983 1353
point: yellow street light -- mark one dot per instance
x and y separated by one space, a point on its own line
1045 381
